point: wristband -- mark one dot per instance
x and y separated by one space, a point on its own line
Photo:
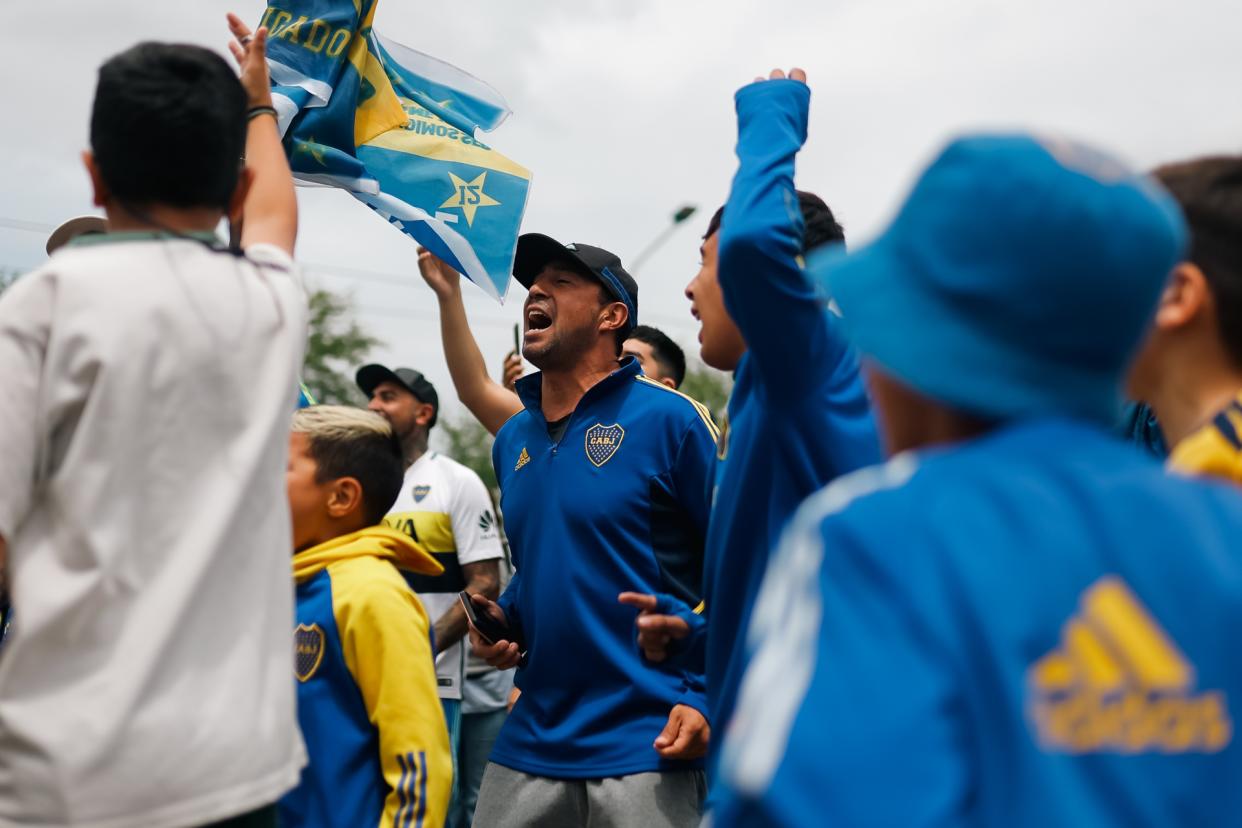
255 111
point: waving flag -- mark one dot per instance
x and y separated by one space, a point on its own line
396 128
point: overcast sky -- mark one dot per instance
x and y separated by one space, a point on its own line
623 111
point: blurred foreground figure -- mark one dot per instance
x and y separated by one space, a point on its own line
1019 620
146 379
1190 368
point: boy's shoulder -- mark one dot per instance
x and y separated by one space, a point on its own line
373 585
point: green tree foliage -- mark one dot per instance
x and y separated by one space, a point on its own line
708 386
335 347
467 442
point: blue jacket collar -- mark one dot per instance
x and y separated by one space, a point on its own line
530 388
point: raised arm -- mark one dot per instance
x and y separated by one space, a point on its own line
269 214
787 327
489 402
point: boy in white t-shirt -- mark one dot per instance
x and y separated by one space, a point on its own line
146 381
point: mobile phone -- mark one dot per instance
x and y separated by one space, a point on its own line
517 337
488 628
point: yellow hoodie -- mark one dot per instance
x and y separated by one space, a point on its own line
367 701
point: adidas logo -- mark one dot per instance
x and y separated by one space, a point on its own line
486 521
523 459
1117 683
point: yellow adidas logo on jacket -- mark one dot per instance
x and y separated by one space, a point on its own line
1118 683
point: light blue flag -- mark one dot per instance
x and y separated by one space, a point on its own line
396 128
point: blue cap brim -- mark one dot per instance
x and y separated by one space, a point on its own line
935 346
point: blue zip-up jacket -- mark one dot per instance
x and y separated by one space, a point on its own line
620 503
1035 628
375 736
798 416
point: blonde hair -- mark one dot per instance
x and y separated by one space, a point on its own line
350 442
340 422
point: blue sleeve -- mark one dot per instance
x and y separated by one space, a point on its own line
688 654
693 471
792 337
850 711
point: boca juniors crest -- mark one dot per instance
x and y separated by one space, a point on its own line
308 650
420 492
602 442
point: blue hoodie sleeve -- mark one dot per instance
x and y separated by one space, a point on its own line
792 337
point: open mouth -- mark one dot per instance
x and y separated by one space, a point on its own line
537 320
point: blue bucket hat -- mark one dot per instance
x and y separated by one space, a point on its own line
1017 279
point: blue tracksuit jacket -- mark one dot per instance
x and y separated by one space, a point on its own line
620 503
1036 628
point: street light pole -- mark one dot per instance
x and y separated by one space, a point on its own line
684 212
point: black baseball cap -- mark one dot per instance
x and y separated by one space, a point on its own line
370 376
535 251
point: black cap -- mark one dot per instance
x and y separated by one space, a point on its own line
535 251
370 376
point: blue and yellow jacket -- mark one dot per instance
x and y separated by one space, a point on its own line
367 703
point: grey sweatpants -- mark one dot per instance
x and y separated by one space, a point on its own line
512 799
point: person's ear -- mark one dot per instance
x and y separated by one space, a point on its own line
238 200
344 497
424 414
99 194
613 316
1185 297
669 382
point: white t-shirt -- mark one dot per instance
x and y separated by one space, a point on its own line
445 506
146 390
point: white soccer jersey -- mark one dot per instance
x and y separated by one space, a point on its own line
146 390
445 506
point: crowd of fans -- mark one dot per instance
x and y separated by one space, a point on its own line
920 574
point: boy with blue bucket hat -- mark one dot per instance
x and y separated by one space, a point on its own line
1019 620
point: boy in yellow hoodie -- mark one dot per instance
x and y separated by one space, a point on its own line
367 703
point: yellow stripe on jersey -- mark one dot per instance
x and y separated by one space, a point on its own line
434 530
1215 450
704 414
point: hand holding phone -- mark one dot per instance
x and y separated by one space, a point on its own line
488 628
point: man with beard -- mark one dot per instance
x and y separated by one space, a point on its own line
603 477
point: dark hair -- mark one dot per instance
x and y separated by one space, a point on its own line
1209 191
169 126
349 442
819 225
666 352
